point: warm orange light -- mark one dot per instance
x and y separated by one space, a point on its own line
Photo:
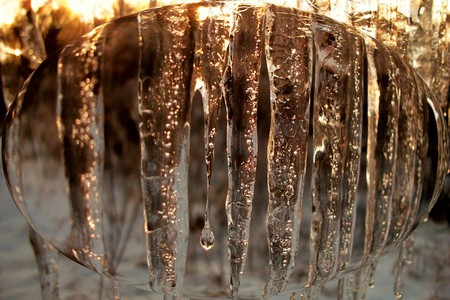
88 10
6 51
137 5
37 4
9 11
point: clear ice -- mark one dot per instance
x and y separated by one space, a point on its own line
354 286
336 140
356 152
80 123
166 52
47 261
211 43
288 47
383 110
240 88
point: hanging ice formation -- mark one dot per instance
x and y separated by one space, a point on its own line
356 137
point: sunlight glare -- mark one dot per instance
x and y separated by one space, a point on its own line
9 11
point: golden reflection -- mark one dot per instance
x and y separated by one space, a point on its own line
9 11
89 10
38 4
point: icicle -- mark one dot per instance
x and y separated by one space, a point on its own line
342 288
241 82
109 289
355 94
288 49
409 247
47 261
421 119
114 290
80 126
165 73
439 153
330 141
406 153
383 112
363 279
347 288
398 285
371 272
210 54
404 257
354 286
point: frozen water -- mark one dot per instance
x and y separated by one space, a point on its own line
240 88
288 47
166 52
80 127
47 261
210 55
346 113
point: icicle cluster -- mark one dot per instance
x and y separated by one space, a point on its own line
356 150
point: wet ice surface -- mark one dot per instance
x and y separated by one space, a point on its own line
241 82
164 133
338 107
288 46
80 126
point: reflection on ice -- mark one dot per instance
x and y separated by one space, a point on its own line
356 151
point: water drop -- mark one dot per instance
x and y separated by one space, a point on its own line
207 238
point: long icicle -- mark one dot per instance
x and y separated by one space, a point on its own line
404 183
210 53
164 107
80 127
347 287
383 111
354 112
421 119
47 261
241 82
405 257
288 49
330 139
363 280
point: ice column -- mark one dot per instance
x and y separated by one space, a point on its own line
80 127
241 81
165 73
288 51
212 38
337 118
